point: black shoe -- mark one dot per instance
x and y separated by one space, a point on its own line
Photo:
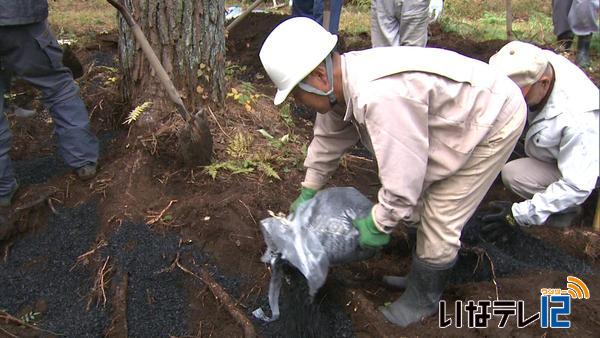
565 40
583 50
424 286
86 172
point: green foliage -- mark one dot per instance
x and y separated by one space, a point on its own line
362 5
490 18
231 69
239 146
285 112
243 160
245 95
278 143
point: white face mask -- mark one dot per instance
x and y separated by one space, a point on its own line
310 89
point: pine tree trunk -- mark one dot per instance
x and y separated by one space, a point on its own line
188 38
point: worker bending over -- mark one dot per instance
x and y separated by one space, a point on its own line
561 143
440 132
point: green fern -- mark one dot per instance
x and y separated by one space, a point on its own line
137 112
239 146
268 170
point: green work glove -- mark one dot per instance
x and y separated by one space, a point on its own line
305 195
370 236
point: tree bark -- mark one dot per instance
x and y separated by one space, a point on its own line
509 20
188 36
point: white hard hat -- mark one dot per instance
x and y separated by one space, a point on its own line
294 49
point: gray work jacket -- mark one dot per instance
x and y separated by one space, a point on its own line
22 12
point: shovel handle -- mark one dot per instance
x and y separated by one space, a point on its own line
327 15
153 60
245 13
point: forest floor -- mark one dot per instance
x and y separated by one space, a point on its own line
127 253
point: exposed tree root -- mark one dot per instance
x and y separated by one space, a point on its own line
118 326
223 297
155 217
99 289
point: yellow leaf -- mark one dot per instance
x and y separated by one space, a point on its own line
199 90
202 66
233 90
248 107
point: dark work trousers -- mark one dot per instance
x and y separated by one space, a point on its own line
314 9
31 53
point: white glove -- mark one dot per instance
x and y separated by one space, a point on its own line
436 7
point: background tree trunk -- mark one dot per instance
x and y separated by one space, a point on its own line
188 37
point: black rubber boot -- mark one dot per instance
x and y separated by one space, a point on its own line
565 40
424 286
583 50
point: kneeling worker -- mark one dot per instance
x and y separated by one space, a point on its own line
561 142
440 132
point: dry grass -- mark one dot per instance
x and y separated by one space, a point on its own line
77 18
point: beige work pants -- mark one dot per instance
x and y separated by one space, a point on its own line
399 22
448 204
528 176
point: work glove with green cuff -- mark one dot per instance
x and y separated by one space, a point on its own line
370 235
305 195
499 222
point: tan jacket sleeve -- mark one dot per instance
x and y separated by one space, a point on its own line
332 138
398 128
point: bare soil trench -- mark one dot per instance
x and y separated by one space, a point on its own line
125 254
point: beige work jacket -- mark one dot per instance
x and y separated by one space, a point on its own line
420 111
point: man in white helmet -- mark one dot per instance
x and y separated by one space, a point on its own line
440 132
403 22
561 142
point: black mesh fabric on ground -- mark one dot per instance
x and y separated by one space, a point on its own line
302 318
41 169
39 269
142 254
516 252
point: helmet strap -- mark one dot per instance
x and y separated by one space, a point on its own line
308 88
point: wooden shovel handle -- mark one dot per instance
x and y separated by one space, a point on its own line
327 15
153 59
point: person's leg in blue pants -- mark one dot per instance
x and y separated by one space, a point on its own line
314 9
7 178
31 52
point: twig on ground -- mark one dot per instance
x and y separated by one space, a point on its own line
98 291
10 318
157 217
223 297
249 212
101 244
7 251
493 274
39 200
8 333
218 124
52 206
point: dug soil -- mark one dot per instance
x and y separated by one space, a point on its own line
132 252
